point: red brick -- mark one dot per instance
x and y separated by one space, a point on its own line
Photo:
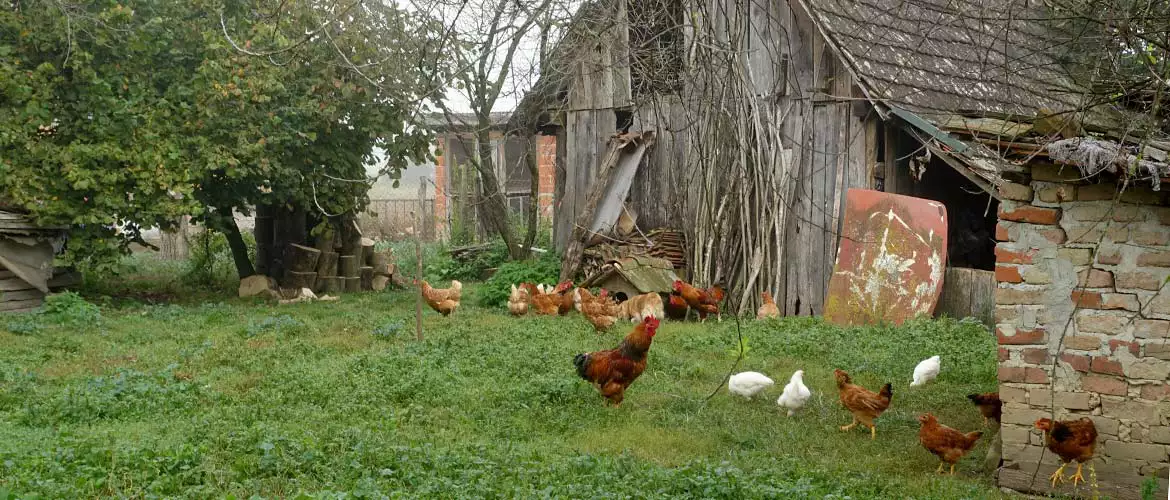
1154 258
1078 362
1031 214
1150 238
1155 392
1001 233
1095 278
1035 356
1140 280
1053 235
1011 374
1111 258
1022 337
1133 347
1104 385
1086 300
1008 256
1008 274
1120 302
1035 376
1105 365
1004 354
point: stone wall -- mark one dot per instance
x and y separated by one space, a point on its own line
1083 317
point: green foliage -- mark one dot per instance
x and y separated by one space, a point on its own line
1149 488
544 269
277 325
390 329
127 393
66 309
210 262
120 116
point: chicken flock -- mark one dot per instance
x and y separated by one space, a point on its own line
613 371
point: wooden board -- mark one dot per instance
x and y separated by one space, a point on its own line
19 295
890 264
968 293
21 305
13 284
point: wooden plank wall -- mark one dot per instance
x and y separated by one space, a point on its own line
656 196
968 293
16 295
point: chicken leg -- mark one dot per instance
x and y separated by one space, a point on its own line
872 432
1058 476
952 469
1078 477
850 426
939 469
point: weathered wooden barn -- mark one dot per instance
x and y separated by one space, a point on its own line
856 94
26 262
765 113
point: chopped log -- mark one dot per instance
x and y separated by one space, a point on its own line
297 280
367 276
327 264
332 285
378 262
300 258
367 252
348 267
352 285
379 283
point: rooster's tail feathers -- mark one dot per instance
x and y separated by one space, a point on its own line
581 361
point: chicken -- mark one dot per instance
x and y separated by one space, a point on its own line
704 302
768 309
442 300
541 303
1070 440
795 393
748 384
518 301
989 405
947 444
640 306
563 297
926 371
865 405
675 307
602 312
613 371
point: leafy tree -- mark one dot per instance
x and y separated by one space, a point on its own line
161 109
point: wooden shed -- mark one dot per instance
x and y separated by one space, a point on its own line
766 113
26 262
625 278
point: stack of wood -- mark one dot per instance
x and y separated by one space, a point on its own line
663 243
332 273
17 295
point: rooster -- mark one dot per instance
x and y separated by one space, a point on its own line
705 302
442 300
614 370
768 309
675 307
865 405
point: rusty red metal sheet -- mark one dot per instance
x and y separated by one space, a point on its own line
891 260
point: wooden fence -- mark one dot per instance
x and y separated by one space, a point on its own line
968 293
394 220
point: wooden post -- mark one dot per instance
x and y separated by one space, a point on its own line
422 200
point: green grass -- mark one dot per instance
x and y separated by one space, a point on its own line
338 399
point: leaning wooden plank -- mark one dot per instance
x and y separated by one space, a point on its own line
21 305
14 284
622 148
989 126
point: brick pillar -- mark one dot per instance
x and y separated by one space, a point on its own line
1081 288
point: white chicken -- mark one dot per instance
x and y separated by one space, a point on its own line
926 371
795 393
748 384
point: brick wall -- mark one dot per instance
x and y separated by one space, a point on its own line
1072 260
440 190
546 165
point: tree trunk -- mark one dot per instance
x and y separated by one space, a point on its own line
175 243
532 159
236 242
280 239
494 206
263 232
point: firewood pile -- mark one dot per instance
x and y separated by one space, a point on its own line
663 243
332 273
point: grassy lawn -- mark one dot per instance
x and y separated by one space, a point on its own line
336 399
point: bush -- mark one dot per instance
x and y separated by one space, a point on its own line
545 269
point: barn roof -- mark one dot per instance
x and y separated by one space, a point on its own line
946 56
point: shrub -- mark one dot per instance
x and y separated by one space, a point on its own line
545 269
